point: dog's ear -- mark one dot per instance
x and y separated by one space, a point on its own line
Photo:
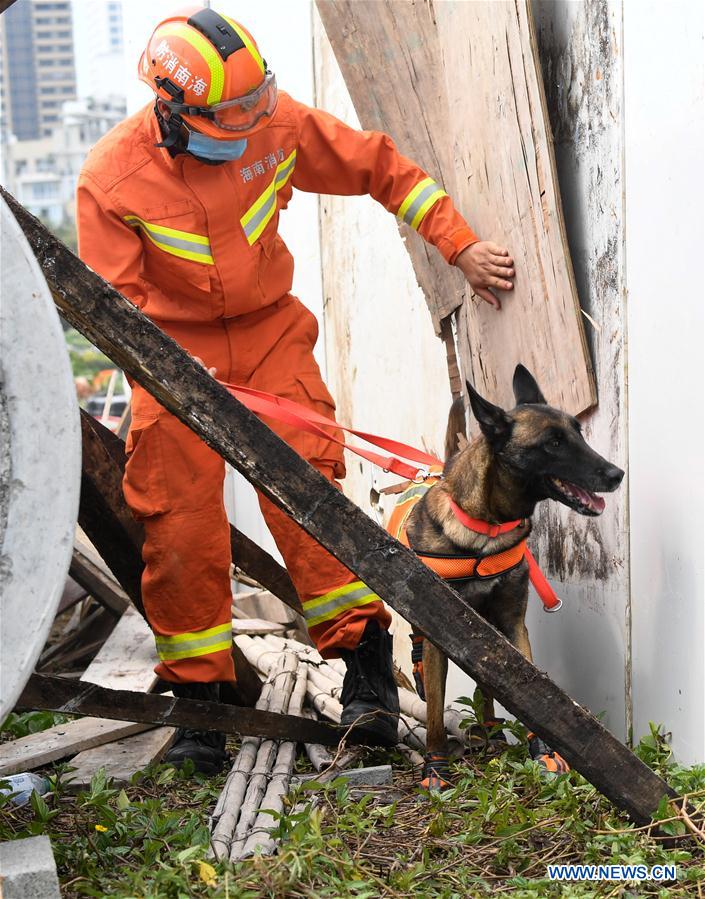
526 390
494 422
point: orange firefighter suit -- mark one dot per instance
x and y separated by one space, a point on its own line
196 248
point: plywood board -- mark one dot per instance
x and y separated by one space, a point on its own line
125 662
122 758
472 68
127 658
62 741
388 54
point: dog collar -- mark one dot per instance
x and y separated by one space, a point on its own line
482 527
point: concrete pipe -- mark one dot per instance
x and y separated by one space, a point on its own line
40 461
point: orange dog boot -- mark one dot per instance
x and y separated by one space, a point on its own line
436 773
549 760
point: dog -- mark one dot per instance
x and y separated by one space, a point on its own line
520 458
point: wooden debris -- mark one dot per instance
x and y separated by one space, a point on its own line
121 759
62 741
127 661
101 587
184 388
256 627
127 658
59 695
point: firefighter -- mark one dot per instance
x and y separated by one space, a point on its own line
178 207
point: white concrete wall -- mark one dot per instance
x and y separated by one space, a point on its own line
586 647
663 147
624 85
386 369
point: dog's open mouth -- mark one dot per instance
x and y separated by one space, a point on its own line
578 498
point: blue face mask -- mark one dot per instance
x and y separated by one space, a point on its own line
205 147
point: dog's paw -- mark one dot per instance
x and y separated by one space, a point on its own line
545 757
436 773
488 736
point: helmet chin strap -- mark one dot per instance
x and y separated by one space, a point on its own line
175 137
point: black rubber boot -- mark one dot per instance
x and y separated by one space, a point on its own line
369 689
205 748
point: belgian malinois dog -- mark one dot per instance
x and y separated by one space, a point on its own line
521 457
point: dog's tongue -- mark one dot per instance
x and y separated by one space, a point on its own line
591 500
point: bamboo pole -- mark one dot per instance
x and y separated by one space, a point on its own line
224 817
283 679
272 803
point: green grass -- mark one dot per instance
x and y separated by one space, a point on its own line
494 833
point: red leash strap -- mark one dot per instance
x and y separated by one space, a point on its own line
281 409
290 412
551 603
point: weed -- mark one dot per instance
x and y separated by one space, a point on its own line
493 833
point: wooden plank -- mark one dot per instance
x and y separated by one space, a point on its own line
126 661
401 38
121 759
257 627
500 135
72 594
103 512
102 587
182 386
60 695
118 537
470 107
127 658
61 741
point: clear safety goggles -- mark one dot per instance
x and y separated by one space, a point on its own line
239 114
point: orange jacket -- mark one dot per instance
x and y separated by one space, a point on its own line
186 241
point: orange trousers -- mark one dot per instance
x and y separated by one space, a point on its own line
174 484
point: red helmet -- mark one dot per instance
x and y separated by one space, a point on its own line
207 69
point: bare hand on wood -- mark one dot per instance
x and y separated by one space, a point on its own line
487 265
211 371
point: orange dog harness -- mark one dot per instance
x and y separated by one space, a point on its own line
452 567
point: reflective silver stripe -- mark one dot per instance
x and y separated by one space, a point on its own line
264 213
425 194
411 492
323 611
189 645
253 222
179 243
171 240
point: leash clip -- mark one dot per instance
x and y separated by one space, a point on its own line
421 475
556 608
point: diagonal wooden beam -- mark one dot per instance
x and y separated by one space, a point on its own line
60 695
107 520
183 387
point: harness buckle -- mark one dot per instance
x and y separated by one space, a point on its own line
556 608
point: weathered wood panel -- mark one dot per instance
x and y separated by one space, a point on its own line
61 741
386 377
464 75
389 55
127 658
121 759
183 387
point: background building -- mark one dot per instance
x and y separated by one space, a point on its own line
38 72
98 35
